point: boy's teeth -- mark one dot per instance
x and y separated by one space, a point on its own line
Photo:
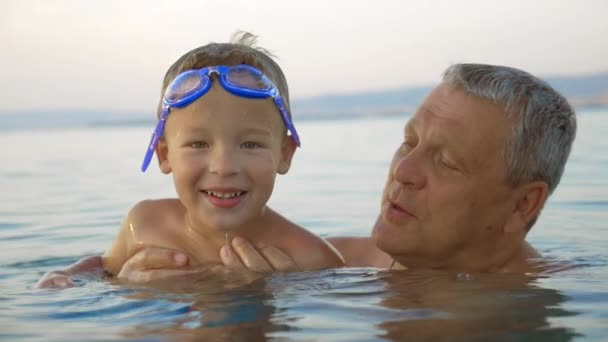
224 194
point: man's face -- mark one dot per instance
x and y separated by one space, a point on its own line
446 199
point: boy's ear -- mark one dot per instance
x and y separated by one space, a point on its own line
288 148
530 200
162 152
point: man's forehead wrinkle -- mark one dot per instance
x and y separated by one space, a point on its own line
433 112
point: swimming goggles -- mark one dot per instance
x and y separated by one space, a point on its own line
241 80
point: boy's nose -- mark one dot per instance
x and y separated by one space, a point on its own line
407 171
223 162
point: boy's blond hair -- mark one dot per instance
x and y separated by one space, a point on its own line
242 49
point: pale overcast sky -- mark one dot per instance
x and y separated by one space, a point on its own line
111 54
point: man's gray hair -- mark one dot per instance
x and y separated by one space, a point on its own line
545 123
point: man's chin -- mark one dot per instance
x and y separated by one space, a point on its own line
390 238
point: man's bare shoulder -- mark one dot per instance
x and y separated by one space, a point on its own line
360 252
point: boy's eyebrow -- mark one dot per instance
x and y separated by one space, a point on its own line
196 130
249 130
252 130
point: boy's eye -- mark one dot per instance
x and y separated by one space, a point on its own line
199 144
250 145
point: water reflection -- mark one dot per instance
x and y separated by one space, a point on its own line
352 303
475 306
228 306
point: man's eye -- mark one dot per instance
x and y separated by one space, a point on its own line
250 145
447 165
407 145
199 144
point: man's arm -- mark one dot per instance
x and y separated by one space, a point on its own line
356 251
122 250
91 264
63 278
156 263
148 264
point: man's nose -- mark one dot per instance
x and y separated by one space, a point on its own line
408 170
223 161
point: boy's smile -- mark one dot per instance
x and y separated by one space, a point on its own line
224 152
224 198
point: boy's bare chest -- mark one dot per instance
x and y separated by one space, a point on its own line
175 235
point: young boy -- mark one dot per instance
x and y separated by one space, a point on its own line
224 132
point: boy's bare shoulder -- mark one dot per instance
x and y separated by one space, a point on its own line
148 223
360 252
157 222
155 206
325 255
308 250
155 211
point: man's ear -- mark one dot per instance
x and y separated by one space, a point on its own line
530 200
162 152
288 148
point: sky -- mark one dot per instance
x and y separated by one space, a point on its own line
111 55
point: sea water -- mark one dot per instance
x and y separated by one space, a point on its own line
64 192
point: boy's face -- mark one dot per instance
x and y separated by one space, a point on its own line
224 152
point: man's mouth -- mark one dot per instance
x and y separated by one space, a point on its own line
395 202
398 214
401 208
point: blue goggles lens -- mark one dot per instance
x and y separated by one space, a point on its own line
241 80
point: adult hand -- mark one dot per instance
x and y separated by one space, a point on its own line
154 263
61 279
240 254
55 280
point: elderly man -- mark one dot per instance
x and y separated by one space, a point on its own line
478 161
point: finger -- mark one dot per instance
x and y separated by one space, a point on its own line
250 256
155 257
230 258
278 259
146 276
48 279
62 282
54 281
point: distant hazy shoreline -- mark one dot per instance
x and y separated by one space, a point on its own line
584 92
